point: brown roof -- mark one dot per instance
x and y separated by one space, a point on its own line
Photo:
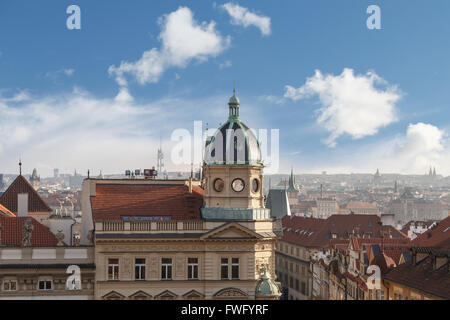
319 232
5 212
21 185
11 233
422 277
437 236
113 201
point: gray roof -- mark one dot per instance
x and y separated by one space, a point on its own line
278 203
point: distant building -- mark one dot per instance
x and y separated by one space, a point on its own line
360 207
55 173
2 182
326 207
410 208
35 180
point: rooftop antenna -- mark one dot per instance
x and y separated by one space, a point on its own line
20 166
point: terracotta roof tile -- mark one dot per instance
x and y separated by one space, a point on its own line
21 185
312 232
113 201
436 236
11 233
422 277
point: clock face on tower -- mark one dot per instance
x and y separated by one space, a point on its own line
238 185
218 185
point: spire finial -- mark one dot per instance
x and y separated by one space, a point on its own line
20 166
234 87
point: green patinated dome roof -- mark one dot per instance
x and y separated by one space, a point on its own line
234 100
266 287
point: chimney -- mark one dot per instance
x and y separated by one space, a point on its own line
190 185
22 204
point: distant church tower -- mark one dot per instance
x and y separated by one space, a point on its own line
377 177
292 190
35 180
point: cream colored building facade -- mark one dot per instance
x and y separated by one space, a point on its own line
40 273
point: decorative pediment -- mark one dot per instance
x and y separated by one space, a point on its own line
231 230
113 295
193 294
230 293
166 295
140 295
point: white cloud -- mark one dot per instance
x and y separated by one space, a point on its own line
421 147
225 64
358 105
68 72
243 17
183 39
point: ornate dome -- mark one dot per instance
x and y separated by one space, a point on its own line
233 142
265 287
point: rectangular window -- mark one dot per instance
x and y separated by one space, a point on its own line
166 268
113 269
139 269
303 291
45 284
235 268
296 284
10 285
224 268
192 268
291 282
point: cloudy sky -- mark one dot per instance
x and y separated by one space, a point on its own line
344 98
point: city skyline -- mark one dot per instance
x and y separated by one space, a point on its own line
107 93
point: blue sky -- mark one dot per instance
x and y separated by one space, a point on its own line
59 106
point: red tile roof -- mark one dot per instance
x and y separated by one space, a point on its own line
312 232
5 212
21 185
113 201
437 236
422 277
11 233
